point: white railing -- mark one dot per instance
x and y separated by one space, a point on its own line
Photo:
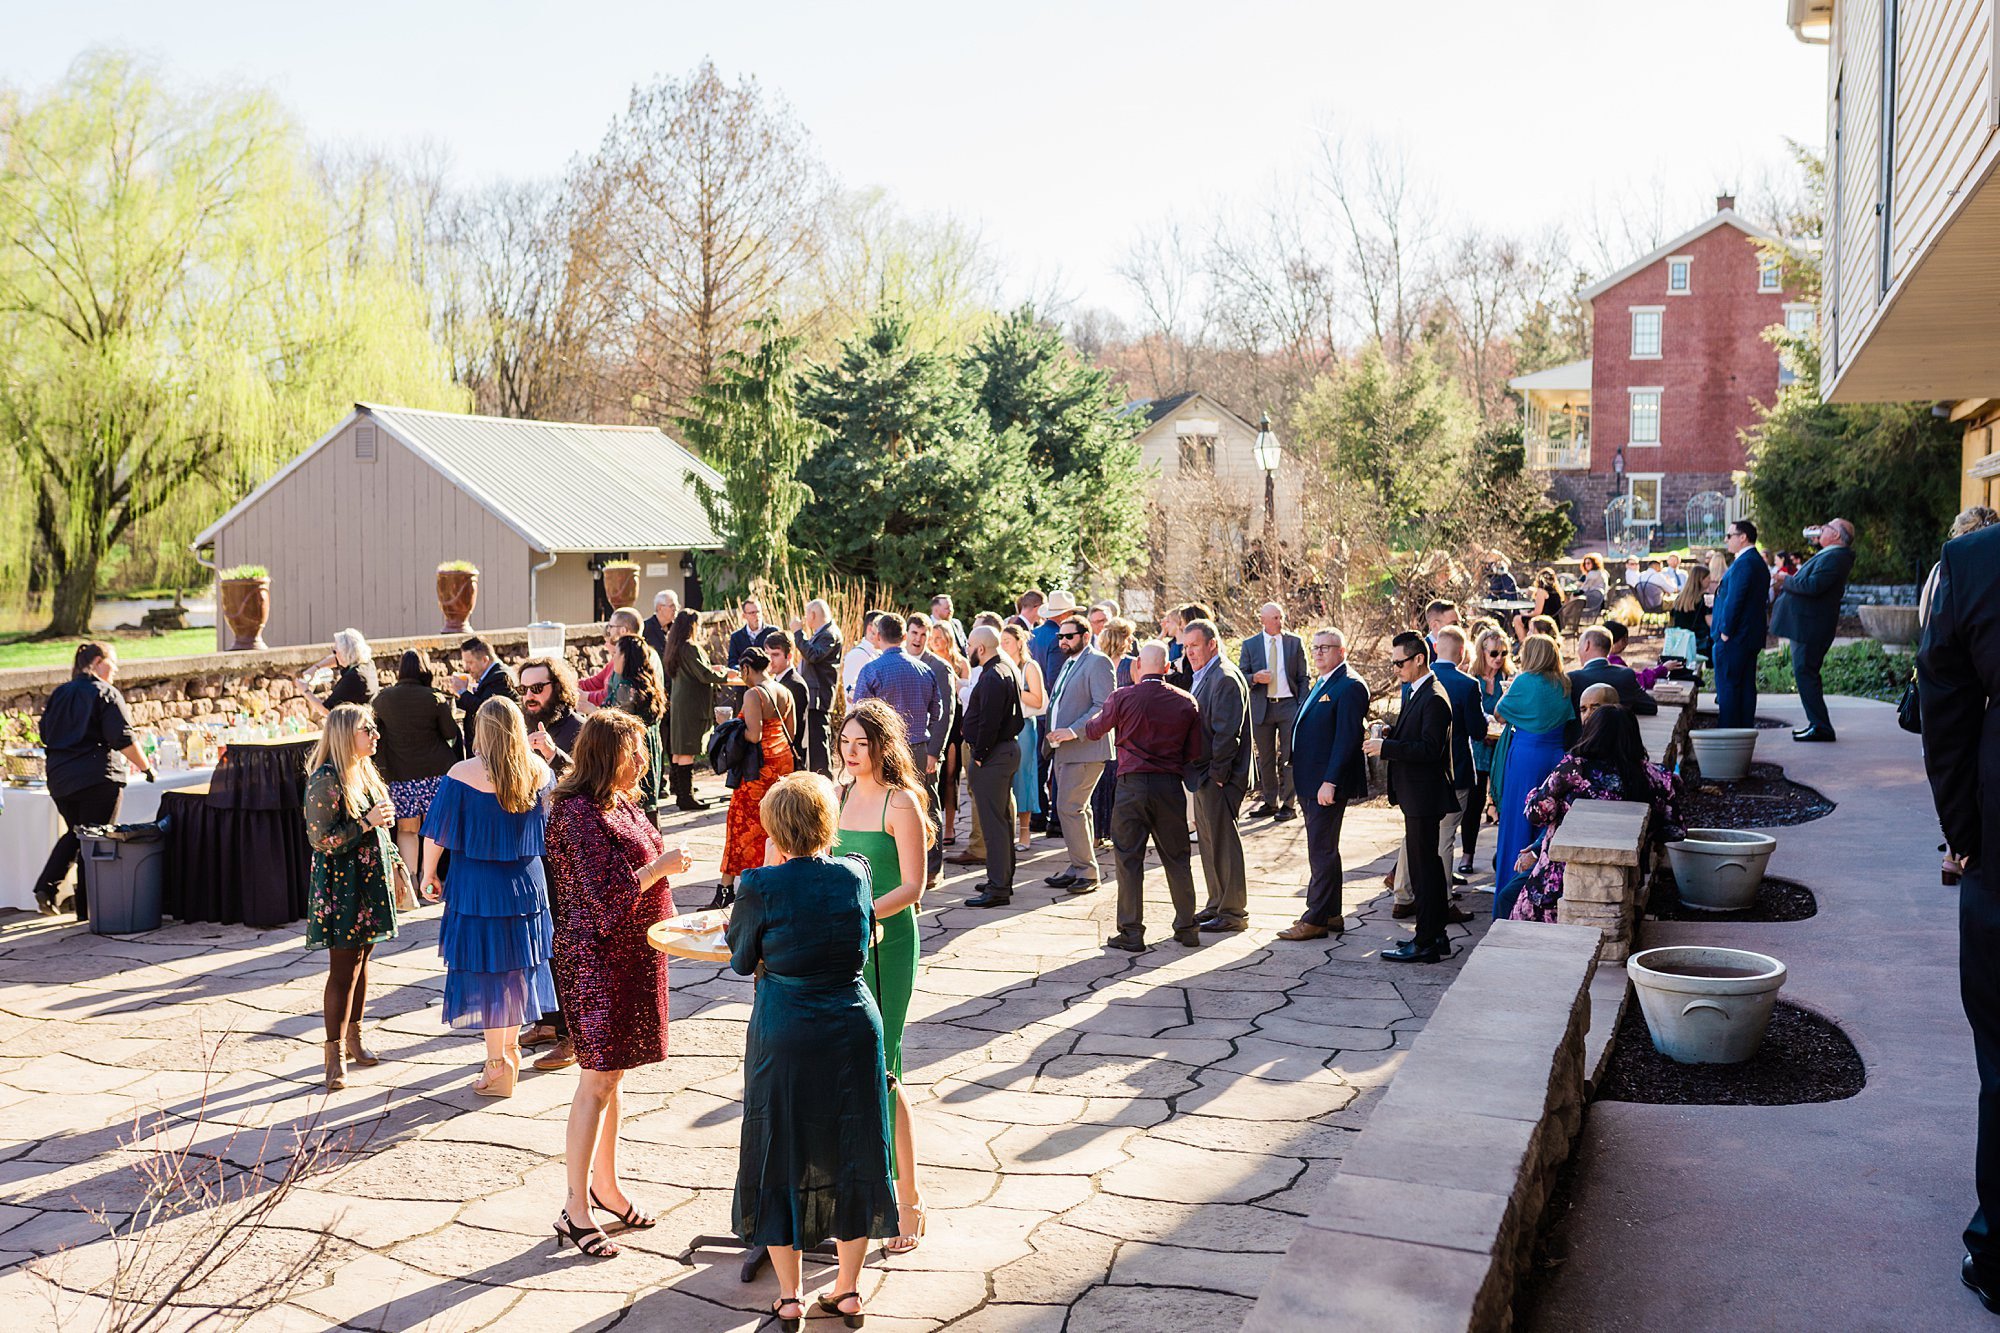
1567 456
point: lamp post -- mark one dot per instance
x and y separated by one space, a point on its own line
1268 455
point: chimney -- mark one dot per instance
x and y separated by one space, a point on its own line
1724 202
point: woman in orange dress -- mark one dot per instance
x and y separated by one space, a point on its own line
767 714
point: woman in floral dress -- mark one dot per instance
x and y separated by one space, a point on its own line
351 907
1608 763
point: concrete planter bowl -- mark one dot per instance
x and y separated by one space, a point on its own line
1723 753
1703 1005
1890 624
1718 870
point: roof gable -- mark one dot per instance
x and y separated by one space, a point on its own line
1159 409
1727 217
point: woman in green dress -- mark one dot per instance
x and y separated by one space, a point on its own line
634 688
352 905
885 817
691 707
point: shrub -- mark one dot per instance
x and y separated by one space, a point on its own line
244 572
458 567
1861 670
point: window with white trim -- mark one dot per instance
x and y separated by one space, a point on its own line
1799 320
1645 417
1770 278
1644 490
1646 332
1679 270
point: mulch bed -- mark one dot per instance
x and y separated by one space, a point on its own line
1804 1058
1764 799
1706 721
1777 900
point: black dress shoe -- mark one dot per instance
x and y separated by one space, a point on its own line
1457 916
1259 812
1457 878
1987 1291
1813 734
988 896
1409 952
1205 915
1191 937
1224 925
1282 813
1129 943
1062 879
1081 885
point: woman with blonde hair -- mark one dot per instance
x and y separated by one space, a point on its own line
1689 609
491 813
885 817
1536 709
1549 629
1034 702
351 906
1492 667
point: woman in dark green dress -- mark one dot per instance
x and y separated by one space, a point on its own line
634 688
885 816
815 1147
351 906
690 706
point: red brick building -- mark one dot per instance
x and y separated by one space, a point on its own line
1678 363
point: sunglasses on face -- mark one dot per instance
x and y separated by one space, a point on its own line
542 688
1400 661
1496 653
1068 634
370 729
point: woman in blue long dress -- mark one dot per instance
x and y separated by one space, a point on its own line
815 1146
1536 709
491 812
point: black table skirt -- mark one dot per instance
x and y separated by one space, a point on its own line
267 775
238 853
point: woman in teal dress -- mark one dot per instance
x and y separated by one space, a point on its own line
635 687
1536 709
815 1143
351 907
885 817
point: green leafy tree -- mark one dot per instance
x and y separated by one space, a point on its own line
1027 380
1509 496
181 309
745 422
913 490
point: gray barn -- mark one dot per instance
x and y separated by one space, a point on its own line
354 528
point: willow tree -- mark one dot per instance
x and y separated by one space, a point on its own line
182 307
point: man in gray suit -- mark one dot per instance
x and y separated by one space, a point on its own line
1081 688
1219 781
1274 665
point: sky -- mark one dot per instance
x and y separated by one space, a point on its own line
1060 129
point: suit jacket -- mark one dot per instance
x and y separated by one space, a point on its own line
1223 696
1740 601
1250 660
819 663
1326 740
495 684
1078 692
1808 606
1622 679
1958 683
993 711
1418 753
1468 720
947 682
795 685
744 637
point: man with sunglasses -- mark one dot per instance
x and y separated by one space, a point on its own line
1741 600
1083 685
549 704
1418 752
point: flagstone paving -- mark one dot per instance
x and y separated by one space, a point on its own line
1108 1141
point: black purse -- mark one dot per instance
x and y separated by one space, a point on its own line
1909 713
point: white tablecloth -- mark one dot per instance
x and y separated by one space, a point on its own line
30 827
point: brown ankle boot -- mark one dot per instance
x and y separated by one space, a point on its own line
336 1073
358 1054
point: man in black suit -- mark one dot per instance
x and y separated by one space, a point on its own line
666 605
1807 612
992 723
1330 771
785 674
1180 671
1418 753
488 678
1958 686
820 648
1593 647
1274 662
750 632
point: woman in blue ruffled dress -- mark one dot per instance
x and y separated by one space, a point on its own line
490 812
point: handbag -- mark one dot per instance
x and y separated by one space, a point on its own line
1909 713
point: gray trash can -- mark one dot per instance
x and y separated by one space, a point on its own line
123 870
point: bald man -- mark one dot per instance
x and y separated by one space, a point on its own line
1807 613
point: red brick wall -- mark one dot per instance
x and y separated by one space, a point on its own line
1713 361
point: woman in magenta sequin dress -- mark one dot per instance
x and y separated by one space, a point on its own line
611 885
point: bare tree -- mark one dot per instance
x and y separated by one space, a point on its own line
1275 293
1617 229
1387 218
1164 268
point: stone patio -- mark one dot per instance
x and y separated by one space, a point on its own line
1109 1141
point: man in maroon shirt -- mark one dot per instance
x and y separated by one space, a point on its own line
1159 737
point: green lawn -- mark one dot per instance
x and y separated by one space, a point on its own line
18 650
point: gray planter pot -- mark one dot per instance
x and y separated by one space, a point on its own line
1723 753
1706 1006
1718 870
1890 624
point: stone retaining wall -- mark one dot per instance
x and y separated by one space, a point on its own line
1878 594
1432 1218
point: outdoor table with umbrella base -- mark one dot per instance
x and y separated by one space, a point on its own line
700 935
237 849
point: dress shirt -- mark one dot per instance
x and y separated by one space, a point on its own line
1159 728
1194 681
1274 662
909 687
859 656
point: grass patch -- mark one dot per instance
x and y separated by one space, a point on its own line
20 650
1860 670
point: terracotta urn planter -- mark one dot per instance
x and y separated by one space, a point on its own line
245 605
457 592
621 585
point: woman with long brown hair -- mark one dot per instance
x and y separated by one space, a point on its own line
491 813
634 687
611 885
351 907
885 817
691 709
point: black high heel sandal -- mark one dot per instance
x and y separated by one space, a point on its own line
788 1325
632 1217
588 1239
831 1305
725 896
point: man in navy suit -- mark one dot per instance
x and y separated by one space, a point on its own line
1593 647
1739 627
748 635
1328 766
1274 663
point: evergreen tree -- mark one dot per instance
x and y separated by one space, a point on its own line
1027 380
1403 431
913 490
745 423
